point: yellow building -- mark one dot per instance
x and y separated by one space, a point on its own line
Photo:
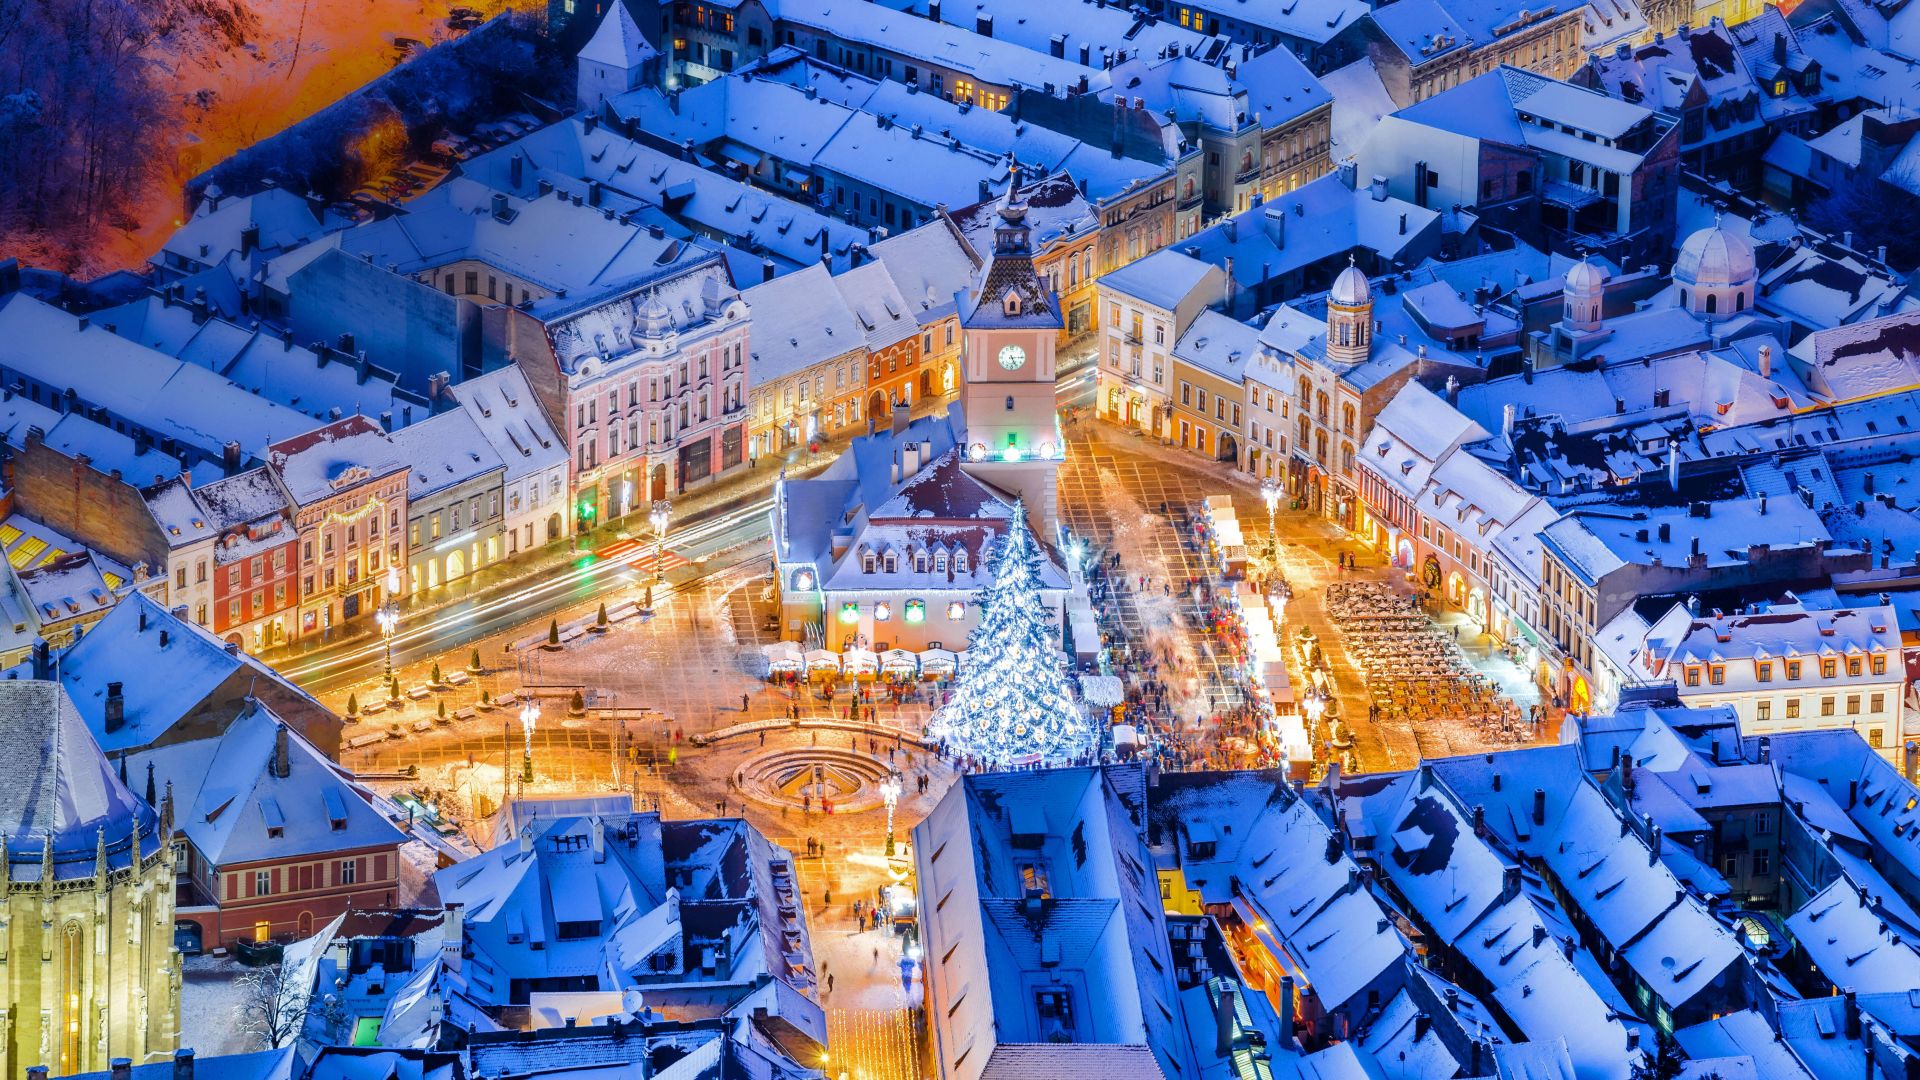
88 972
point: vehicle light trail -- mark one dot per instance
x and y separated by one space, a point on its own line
588 571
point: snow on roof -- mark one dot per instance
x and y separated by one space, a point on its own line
168 397
799 320
879 309
1865 359
691 299
66 586
1164 279
988 60
1594 543
1056 213
56 784
111 453
1337 934
1218 344
1360 99
235 809
1067 28
1744 1034
1316 222
501 404
214 232
930 264
617 42
263 363
255 1065
1513 106
1852 944
445 451
329 459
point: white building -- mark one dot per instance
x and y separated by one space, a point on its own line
1144 307
1782 669
509 417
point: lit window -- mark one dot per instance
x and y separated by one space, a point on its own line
956 610
882 611
849 612
916 611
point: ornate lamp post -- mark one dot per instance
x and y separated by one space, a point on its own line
388 616
529 719
890 794
1316 707
1270 494
658 516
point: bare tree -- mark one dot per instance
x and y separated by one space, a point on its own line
273 1004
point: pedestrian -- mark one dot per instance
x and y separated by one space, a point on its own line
763 738
743 703
829 982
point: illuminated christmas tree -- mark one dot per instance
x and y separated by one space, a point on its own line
1010 704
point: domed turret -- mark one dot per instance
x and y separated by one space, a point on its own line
1349 316
1350 289
1586 290
1716 271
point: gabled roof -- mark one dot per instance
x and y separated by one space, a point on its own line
56 784
234 808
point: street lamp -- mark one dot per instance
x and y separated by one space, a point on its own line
1315 707
529 719
1270 494
658 516
890 794
388 616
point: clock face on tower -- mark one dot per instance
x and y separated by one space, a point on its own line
1012 356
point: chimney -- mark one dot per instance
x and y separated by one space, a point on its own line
183 1063
1673 464
1766 361
249 240
1422 1024
1653 845
933 10
1286 1011
1223 1021
1666 532
1403 224
282 760
1851 1002
1539 806
597 839
116 707
200 308
984 24
499 206
230 457
42 660
1509 882
516 171
1506 422
593 193
766 270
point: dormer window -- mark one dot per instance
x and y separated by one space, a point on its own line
919 562
1011 303
960 562
866 562
893 562
939 562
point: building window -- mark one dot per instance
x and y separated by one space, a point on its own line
1879 664
1763 710
1693 676
1826 706
1793 708
1853 704
1766 673
1877 702
1793 670
1717 675
262 883
349 872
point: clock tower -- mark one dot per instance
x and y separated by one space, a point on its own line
1012 320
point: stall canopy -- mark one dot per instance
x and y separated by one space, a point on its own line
822 660
1103 690
858 661
938 661
899 660
783 656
